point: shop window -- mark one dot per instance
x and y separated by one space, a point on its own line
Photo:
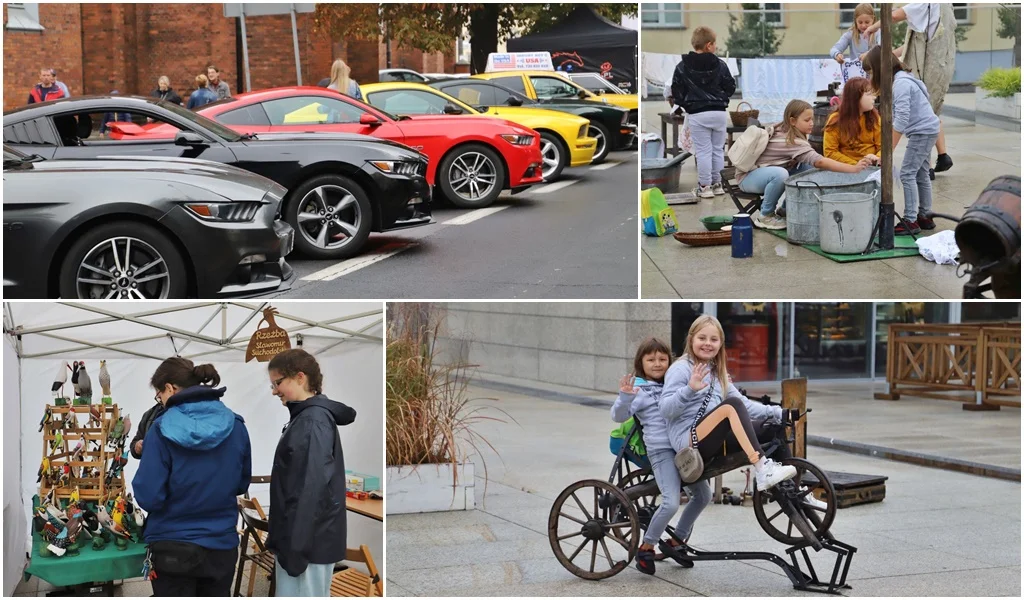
751 339
902 312
831 339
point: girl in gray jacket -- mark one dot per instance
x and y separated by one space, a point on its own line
698 400
639 398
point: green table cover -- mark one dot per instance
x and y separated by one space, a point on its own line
109 564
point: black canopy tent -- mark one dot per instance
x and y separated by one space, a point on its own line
586 42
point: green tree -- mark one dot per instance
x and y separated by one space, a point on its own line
435 27
1009 27
755 37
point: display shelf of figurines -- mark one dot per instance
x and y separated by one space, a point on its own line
82 493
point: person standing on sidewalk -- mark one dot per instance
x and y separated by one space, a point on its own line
165 92
307 483
702 85
202 95
341 80
60 84
217 86
47 88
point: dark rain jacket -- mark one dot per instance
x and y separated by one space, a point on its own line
145 423
307 486
702 83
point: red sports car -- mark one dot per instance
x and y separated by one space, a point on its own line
472 158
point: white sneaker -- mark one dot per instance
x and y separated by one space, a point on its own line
771 473
703 191
717 189
769 221
813 502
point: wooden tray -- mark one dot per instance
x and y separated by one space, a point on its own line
704 238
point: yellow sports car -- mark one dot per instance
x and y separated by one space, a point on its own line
552 86
564 139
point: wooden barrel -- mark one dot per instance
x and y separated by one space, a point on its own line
817 138
990 229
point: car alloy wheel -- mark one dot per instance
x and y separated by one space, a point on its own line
602 141
123 268
551 153
472 176
329 217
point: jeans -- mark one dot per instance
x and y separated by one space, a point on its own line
314 582
708 130
670 485
917 186
771 182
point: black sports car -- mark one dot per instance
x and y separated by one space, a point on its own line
340 186
133 228
607 121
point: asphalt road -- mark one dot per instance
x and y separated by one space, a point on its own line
575 238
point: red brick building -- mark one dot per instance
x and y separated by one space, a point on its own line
96 48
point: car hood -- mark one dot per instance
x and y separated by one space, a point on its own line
284 136
224 180
517 113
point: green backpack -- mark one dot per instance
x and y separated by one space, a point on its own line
636 442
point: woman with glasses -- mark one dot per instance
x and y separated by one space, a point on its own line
307 483
197 460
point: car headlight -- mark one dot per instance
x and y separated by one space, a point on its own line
226 212
399 167
517 140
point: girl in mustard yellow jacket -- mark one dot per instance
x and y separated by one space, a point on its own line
854 131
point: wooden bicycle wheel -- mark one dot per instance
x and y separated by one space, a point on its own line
592 523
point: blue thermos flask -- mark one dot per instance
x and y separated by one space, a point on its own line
742 236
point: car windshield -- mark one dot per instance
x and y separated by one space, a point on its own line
201 121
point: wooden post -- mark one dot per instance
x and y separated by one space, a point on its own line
887 210
891 357
794 395
981 373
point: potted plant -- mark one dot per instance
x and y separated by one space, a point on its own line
430 430
998 92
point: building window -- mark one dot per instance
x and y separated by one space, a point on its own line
846 14
772 12
662 15
23 16
962 13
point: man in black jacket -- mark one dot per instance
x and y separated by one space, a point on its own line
702 85
307 483
140 433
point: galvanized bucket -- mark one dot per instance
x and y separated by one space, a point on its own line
803 210
846 221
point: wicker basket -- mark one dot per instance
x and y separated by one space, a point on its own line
739 117
704 238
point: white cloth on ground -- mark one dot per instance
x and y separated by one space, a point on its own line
939 248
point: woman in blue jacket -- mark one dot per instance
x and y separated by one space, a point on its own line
197 461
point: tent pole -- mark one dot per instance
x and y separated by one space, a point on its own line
223 321
219 310
255 311
98 345
109 319
329 321
180 332
339 342
325 325
89 346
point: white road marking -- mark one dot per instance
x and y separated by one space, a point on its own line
351 265
552 187
605 165
474 215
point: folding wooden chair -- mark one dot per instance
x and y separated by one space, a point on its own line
255 526
744 201
352 582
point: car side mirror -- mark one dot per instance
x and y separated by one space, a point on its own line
513 101
583 95
482 108
189 138
369 120
451 109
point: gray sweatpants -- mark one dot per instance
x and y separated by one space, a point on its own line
708 129
917 186
670 485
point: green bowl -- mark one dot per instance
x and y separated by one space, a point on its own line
716 222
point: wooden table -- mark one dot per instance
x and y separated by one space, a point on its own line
675 121
373 509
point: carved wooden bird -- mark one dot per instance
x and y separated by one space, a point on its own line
84 383
132 510
74 379
104 379
60 380
44 469
108 523
47 417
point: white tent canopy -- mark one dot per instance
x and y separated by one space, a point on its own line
345 337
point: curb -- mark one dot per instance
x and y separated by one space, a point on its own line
916 458
907 456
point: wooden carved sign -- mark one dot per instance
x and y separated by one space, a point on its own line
267 342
